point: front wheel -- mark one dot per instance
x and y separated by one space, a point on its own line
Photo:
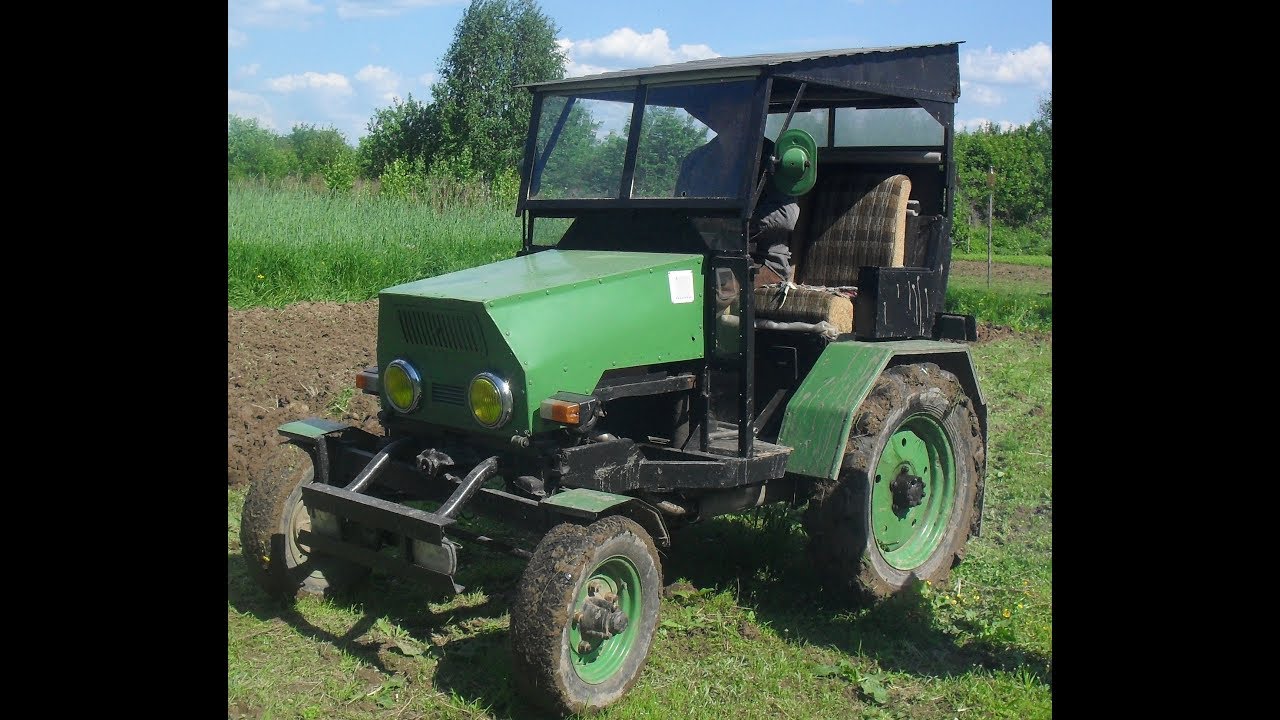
584 615
906 497
273 515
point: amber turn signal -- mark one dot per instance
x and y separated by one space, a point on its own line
569 413
568 408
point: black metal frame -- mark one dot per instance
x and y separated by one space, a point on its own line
902 77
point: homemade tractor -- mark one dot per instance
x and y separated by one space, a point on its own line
629 372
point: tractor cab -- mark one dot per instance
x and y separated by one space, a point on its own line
860 139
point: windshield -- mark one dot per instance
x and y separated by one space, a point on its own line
691 143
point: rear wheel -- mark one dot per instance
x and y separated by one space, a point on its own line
585 614
906 498
273 516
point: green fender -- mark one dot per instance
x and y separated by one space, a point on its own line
820 414
308 431
587 505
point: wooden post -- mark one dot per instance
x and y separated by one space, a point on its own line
991 192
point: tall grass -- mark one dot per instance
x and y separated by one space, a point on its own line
289 243
285 245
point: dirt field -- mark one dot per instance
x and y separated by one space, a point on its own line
1024 273
290 363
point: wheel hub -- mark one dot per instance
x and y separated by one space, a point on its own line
908 490
600 618
601 631
299 520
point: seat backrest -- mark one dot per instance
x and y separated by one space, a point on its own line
857 220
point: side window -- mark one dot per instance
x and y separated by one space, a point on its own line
813 122
880 127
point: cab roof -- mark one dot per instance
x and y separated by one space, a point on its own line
922 72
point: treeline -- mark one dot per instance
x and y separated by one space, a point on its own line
1022 197
473 129
468 141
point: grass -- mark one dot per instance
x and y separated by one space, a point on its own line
286 246
1021 310
1032 260
291 245
748 634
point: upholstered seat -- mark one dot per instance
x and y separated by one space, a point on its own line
857 220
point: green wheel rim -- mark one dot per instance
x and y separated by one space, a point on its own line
616 575
907 537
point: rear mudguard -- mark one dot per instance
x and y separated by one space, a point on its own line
820 414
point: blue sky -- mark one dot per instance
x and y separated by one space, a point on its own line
333 63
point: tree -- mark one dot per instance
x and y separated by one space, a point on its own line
316 149
497 45
403 131
254 151
1043 121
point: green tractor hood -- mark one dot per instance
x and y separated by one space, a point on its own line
552 321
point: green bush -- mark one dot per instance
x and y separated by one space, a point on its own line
1035 238
402 179
506 188
340 173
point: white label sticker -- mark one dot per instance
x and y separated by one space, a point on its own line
681 282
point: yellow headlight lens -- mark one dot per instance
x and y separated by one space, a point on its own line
489 399
403 385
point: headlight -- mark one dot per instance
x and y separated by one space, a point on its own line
489 398
403 386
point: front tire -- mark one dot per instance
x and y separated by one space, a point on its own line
269 524
906 498
604 572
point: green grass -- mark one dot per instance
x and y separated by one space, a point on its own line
750 636
286 245
1018 309
289 245
1032 260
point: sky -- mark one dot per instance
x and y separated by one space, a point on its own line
334 63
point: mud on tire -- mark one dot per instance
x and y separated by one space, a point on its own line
273 513
843 543
548 671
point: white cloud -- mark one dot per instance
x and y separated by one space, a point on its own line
627 49
1030 66
975 123
250 70
247 105
428 79
294 14
330 83
980 94
381 80
577 69
348 9
235 38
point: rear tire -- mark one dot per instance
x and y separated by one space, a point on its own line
906 498
269 524
552 668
